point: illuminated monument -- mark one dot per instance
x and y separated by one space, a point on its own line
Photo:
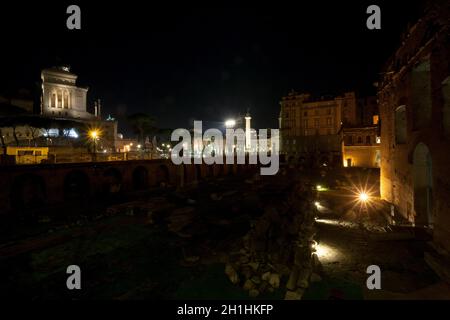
61 97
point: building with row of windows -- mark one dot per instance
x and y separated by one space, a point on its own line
361 146
313 128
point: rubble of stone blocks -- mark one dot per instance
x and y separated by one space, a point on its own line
278 246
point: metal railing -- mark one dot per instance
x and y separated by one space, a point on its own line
85 157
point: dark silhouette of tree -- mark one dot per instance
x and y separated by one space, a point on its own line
142 125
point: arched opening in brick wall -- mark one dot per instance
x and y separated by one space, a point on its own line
76 186
421 95
28 195
112 181
220 169
140 178
162 175
400 125
198 172
423 185
185 174
229 169
210 170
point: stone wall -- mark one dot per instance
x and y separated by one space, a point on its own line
29 187
413 142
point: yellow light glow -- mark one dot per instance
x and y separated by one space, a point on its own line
94 134
326 253
230 123
363 196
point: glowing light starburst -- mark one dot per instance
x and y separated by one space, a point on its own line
362 194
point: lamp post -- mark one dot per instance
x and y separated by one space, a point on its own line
94 134
230 123
363 198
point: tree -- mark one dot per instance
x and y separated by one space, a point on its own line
142 125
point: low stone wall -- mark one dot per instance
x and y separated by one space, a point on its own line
29 187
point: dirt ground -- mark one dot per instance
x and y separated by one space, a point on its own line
126 252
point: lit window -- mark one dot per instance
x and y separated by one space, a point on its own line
378 139
375 119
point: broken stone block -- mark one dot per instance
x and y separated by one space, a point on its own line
263 286
244 260
303 277
253 293
274 280
215 197
302 256
256 279
316 262
265 276
283 269
315 277
231 273
243 252
254 265
294 295
192 259
248 285
247 272
293 277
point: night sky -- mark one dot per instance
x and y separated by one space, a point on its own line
179 62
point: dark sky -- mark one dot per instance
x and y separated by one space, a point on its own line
179 62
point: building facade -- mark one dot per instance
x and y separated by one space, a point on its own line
361 147
61 97
311 127
414 101
61 118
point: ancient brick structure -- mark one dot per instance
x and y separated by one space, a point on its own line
415 125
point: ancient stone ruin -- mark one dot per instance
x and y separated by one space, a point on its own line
279 245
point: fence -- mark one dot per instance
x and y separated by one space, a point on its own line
84 157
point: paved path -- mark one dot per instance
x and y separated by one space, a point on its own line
346 250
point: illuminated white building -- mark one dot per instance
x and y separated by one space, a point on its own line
61 97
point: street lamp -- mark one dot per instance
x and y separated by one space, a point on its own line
230 123
94 135
363 197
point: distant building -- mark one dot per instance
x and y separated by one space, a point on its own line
310 128
414 100
361 146
61 97
62 100
361 141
